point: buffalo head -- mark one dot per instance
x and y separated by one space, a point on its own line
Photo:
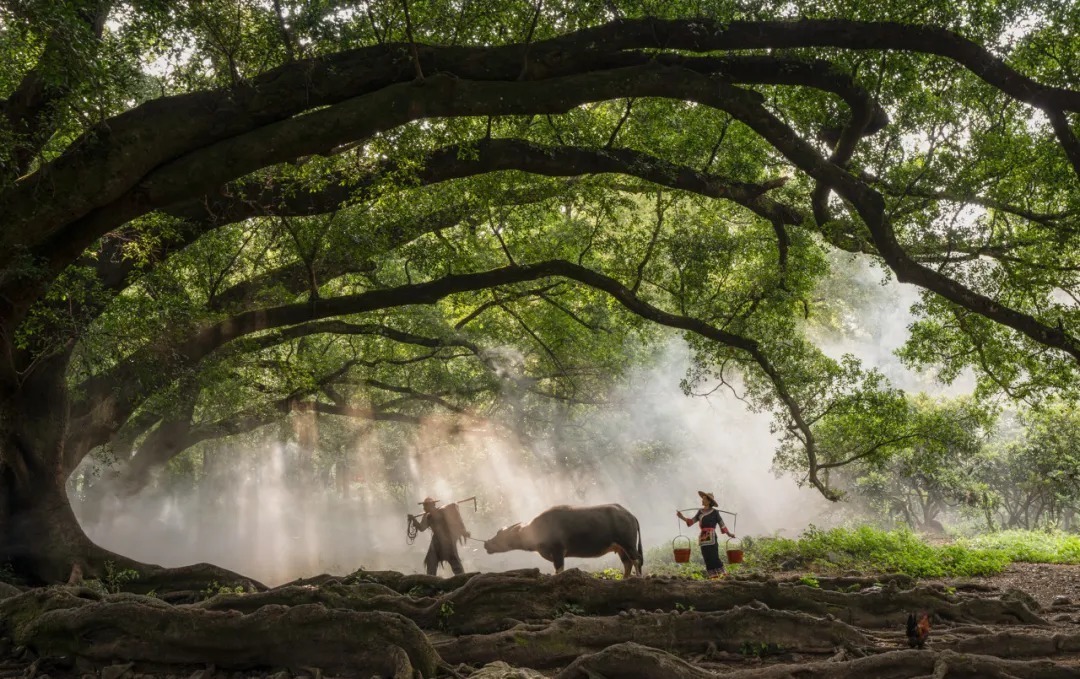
505 540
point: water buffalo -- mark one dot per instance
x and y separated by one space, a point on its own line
564 531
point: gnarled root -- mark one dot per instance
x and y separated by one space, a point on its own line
568 637
152 633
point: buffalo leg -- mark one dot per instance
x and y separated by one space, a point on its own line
558 555
627 562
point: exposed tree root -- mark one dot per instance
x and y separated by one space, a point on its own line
422 584
368 624
1019 645
501 670
630 660
570 636
197 577
485 603
58 623
855 583
366 596
633 661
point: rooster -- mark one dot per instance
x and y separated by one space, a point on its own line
917 632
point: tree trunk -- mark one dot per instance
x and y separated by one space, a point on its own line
39 534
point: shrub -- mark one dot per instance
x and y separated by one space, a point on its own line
1030 546
874 550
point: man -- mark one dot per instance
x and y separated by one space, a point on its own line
446 528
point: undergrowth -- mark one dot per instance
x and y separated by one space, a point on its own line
832 552
1032 546
866 549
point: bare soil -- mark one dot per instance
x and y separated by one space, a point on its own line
1042 581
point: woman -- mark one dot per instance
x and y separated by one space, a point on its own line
710 521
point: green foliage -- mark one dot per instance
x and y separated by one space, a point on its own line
608 574
565 608
759 649
873 550
216 589
115 578
809 581
1030 546
445 612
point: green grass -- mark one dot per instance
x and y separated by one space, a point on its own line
1031 546
865 549
868 549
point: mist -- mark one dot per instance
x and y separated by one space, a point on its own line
652 452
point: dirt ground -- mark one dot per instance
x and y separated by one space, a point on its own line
1041 581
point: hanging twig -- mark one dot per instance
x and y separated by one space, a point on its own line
716 148
622 121
412 43
528 40
374 27
286 37
457 25
497 230
652 242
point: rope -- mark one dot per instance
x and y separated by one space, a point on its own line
411 531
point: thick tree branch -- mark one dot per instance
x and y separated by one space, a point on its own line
58 230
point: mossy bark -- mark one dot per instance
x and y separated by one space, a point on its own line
754 631
350 643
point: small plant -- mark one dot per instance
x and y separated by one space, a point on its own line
358 576
608 574
568 609
950 590
758 649
446 611
809 581
682 607
214 589
115 578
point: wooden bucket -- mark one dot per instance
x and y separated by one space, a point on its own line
734 555
682 554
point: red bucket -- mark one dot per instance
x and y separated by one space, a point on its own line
734 555
682 554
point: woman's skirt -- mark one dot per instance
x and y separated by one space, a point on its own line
710 552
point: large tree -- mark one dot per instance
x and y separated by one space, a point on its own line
936 140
